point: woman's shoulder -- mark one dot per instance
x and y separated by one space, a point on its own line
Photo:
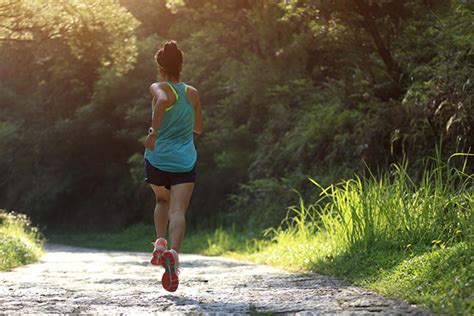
190 90
193 95
159 85
162 90
163 86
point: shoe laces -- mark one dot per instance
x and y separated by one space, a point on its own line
160 244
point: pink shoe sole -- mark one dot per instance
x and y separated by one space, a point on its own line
169 280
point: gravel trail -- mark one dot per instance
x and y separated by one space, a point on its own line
71 280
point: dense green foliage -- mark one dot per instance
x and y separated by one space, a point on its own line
291 90
20 243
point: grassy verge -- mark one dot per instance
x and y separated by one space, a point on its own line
403 238
440 279
19 242
138 238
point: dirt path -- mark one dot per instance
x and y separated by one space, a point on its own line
79 280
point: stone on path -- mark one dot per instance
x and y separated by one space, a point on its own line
79 280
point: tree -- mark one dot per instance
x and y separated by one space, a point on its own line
104 30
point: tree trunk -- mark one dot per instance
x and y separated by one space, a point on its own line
370 26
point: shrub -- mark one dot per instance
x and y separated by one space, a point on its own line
20 242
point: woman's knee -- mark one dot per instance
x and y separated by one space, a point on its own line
176 212
160 200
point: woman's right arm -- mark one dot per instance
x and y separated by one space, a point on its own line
193 96
162 102
160 96
198 117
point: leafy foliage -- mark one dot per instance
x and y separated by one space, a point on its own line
92 30
291 90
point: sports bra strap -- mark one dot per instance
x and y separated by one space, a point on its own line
174 90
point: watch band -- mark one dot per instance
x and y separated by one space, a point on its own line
151 131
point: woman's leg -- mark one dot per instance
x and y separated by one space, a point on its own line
179 201
160 215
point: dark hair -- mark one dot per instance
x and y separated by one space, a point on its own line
170 58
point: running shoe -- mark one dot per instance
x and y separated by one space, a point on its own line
170 280
159 248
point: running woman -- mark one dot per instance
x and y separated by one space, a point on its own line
170 157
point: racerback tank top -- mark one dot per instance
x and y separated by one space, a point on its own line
174 146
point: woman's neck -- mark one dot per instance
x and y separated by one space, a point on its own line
171 79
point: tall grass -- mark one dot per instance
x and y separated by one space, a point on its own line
391 210
404 236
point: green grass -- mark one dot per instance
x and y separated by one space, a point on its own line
403 238
441 279
138 237
134 238
20 243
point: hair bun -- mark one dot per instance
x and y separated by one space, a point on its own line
171 48
170 58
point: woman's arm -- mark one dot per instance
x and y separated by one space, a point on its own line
198 117
160 102
193 96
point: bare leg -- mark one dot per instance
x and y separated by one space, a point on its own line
160 214
179 201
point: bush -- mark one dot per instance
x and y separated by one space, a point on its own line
20 243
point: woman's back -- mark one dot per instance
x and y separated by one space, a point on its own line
174 147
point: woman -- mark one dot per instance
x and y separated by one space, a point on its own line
170 157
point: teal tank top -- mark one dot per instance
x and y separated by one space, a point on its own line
174 146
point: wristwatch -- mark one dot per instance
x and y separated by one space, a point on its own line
151 131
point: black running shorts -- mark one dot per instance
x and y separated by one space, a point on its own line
167 179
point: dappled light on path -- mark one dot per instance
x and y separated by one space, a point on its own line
79 280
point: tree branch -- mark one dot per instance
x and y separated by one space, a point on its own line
370 26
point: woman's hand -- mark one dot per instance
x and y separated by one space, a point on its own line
150 142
